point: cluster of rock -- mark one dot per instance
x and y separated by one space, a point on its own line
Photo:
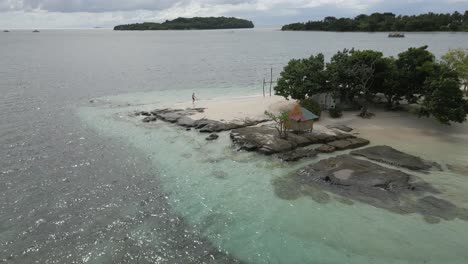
352 179
266 140
368 182
181 117
389 155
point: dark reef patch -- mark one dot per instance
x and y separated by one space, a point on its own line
367 182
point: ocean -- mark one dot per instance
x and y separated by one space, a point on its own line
82 182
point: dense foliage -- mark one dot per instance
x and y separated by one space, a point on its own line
361 77
302 78
280 122
191 23
312 106
388 22
457 60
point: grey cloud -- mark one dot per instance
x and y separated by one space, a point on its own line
100 6
67 6
97 6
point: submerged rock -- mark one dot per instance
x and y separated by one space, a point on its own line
460 169
342 128
143 113
370 183
149 119
325 148
297 154
394 157
349 143
186 122
212 137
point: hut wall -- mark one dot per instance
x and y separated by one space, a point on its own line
300 126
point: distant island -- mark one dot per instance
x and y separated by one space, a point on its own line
194 23
384 22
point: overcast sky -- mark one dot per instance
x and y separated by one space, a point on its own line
107 13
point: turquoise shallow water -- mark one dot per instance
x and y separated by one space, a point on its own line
228 197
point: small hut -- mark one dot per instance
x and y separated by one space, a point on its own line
301 119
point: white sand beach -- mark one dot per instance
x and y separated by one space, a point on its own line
238 108
400 129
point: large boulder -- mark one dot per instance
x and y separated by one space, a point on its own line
212 137
349 143
394 157
325 148
263 139
149 119
186 121
367 182
342 128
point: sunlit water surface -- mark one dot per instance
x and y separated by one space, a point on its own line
86 183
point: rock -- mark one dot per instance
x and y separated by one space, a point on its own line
214 126
143 113
316 138
340 136
367 182
212 137
186 121
459 169
149 119
297 154
325 148
394 157
263 139
220 174
342 128
170 117
201 123
349 143
182 118
299 139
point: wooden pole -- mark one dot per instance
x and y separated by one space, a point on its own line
263 87
271 79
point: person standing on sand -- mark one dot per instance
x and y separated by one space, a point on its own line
193 98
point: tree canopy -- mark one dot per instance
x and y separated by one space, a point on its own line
191 23
361 76
388 22
457 60
302 78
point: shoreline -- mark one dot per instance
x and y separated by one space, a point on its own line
369 174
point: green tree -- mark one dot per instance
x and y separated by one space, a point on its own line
390 86
415 65
444 101
280 122
339 76
388 22
365 72
302 78
457 60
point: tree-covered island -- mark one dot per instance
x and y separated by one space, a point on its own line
366 77
382 22
194 23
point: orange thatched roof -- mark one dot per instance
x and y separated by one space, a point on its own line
300 114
